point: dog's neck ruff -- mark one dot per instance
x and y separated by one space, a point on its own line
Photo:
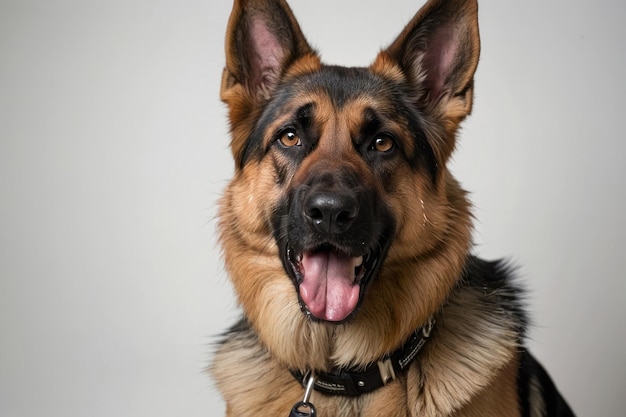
352 383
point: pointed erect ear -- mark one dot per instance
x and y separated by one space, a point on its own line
262 40
438 53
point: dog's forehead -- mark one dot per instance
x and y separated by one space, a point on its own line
354 95
341 84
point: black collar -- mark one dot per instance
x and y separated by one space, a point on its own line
351 382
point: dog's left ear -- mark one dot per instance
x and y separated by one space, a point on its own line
438 53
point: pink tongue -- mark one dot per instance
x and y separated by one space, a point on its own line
328 288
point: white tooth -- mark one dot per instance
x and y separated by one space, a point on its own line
358 261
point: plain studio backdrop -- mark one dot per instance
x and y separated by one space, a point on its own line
114 151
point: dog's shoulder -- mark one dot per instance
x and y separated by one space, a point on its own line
483 327
537 393
252 381
475 344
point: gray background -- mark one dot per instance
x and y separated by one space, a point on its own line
113 151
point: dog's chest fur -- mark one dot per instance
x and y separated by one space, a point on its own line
473 349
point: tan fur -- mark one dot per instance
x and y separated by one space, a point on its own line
499 398
467 368
482 383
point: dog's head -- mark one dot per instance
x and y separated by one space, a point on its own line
341 190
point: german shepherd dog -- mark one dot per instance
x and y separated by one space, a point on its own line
347 239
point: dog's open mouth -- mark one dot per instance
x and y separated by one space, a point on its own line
330 282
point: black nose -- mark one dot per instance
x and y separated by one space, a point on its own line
330 212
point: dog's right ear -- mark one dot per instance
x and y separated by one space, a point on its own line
263 40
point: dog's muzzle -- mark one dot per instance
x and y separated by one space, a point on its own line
332 244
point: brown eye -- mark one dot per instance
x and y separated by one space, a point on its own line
290 139
383 144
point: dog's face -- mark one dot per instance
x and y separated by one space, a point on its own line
334 148
341 191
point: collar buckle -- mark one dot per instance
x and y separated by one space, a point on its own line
387 373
